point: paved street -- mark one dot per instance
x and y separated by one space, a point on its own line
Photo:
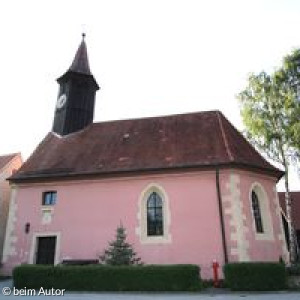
161 296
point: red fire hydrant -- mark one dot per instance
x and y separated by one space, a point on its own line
215 266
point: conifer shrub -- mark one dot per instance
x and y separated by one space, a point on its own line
119 252
258 276
109 278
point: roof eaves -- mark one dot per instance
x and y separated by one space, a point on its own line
78 175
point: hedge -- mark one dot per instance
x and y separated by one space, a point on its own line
259 276
294 270
109 278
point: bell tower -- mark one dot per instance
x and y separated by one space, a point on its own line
76 97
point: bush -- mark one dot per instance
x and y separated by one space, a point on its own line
108 278
294 270
255 276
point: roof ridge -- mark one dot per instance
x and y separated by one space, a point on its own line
156 117
226 144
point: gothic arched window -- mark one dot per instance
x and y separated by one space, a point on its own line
155 222
257 213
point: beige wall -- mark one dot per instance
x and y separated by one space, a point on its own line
5 192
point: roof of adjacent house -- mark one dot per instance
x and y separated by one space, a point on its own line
5 159
194 140
295 200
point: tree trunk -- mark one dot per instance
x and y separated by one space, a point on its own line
288 205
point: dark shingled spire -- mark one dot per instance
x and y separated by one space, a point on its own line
76 97
80 63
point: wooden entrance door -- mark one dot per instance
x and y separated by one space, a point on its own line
45 250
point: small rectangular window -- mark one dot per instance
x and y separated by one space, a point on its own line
49 198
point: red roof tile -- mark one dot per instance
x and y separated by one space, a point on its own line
194 140
295 196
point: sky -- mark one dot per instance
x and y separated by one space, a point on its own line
150 58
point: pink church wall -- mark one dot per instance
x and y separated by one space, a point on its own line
269 246
87 214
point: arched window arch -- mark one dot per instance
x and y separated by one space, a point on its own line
260 205
257 213
155 215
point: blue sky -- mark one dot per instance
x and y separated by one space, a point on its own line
150 57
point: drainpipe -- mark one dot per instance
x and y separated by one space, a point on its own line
221 215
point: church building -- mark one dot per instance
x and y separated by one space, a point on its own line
188 188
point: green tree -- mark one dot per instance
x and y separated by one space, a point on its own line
267 106
119 251
289 77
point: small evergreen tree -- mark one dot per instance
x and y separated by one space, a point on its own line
119 251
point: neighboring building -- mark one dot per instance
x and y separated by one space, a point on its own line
188 188
9 164
295 201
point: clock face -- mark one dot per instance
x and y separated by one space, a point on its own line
61 101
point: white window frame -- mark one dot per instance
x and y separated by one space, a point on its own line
265 211
141 230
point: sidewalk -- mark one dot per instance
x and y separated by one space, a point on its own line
208 294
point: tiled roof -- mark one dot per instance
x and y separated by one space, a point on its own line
5 159
295 197
195 140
